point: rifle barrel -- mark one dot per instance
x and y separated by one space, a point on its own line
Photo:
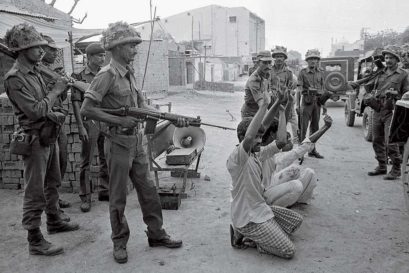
217 126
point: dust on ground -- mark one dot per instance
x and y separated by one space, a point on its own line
354 224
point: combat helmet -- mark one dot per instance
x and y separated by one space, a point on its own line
393 50
312 53
23 36
279 50
119 33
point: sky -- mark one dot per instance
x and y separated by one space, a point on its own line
297 24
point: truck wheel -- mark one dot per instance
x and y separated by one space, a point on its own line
367 121
349 115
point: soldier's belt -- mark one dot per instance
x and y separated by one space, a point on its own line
119 130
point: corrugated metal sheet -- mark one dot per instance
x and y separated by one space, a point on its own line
14 10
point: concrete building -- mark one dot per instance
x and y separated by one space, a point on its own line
219 40
345 49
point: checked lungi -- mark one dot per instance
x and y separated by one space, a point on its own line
271 237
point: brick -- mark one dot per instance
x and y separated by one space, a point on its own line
71 157
12 165
10 186
77 157
11 180
76 148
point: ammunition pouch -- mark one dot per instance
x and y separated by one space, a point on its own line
309 96
51 128
21 143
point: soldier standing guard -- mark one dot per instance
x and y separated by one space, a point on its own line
282 78
49 58
388 86
256 84
88 132
310 82
114 87
32 104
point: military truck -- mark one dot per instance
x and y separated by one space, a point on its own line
354 106
337 71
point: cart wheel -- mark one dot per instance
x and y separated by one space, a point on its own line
367 121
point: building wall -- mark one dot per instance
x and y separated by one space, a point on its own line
212 25
156 82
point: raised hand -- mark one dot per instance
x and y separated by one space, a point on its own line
327 121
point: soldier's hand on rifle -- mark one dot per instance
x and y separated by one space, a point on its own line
129 122
83 134
327 121
60 85
181 122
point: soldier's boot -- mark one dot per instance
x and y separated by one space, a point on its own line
55 224
379 170
394 173
165 241
120 254
37 245
63 216
64 204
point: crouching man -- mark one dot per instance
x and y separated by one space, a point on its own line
266 227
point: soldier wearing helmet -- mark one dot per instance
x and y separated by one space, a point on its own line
39 123
310 82
282 79
113 87
387 87
256 84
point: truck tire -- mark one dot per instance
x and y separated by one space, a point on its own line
367 121
349 115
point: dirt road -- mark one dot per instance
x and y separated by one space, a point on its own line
354 224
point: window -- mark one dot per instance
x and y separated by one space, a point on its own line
232 19
333 67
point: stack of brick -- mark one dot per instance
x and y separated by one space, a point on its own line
11 166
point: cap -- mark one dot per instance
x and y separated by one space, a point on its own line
94 48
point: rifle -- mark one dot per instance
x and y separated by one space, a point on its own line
152 117
82 86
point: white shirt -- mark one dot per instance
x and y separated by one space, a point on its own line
247 204
274 161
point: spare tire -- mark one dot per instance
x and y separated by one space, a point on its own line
335 81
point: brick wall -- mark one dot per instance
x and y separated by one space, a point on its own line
11 166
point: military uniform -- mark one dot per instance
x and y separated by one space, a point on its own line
96 139
310 106
382 116
253 93
113 87
27 92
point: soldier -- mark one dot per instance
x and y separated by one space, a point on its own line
388 86
32 104
88 131
310 82
256 84
405 57
282 79
113 87
254 59
49 58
